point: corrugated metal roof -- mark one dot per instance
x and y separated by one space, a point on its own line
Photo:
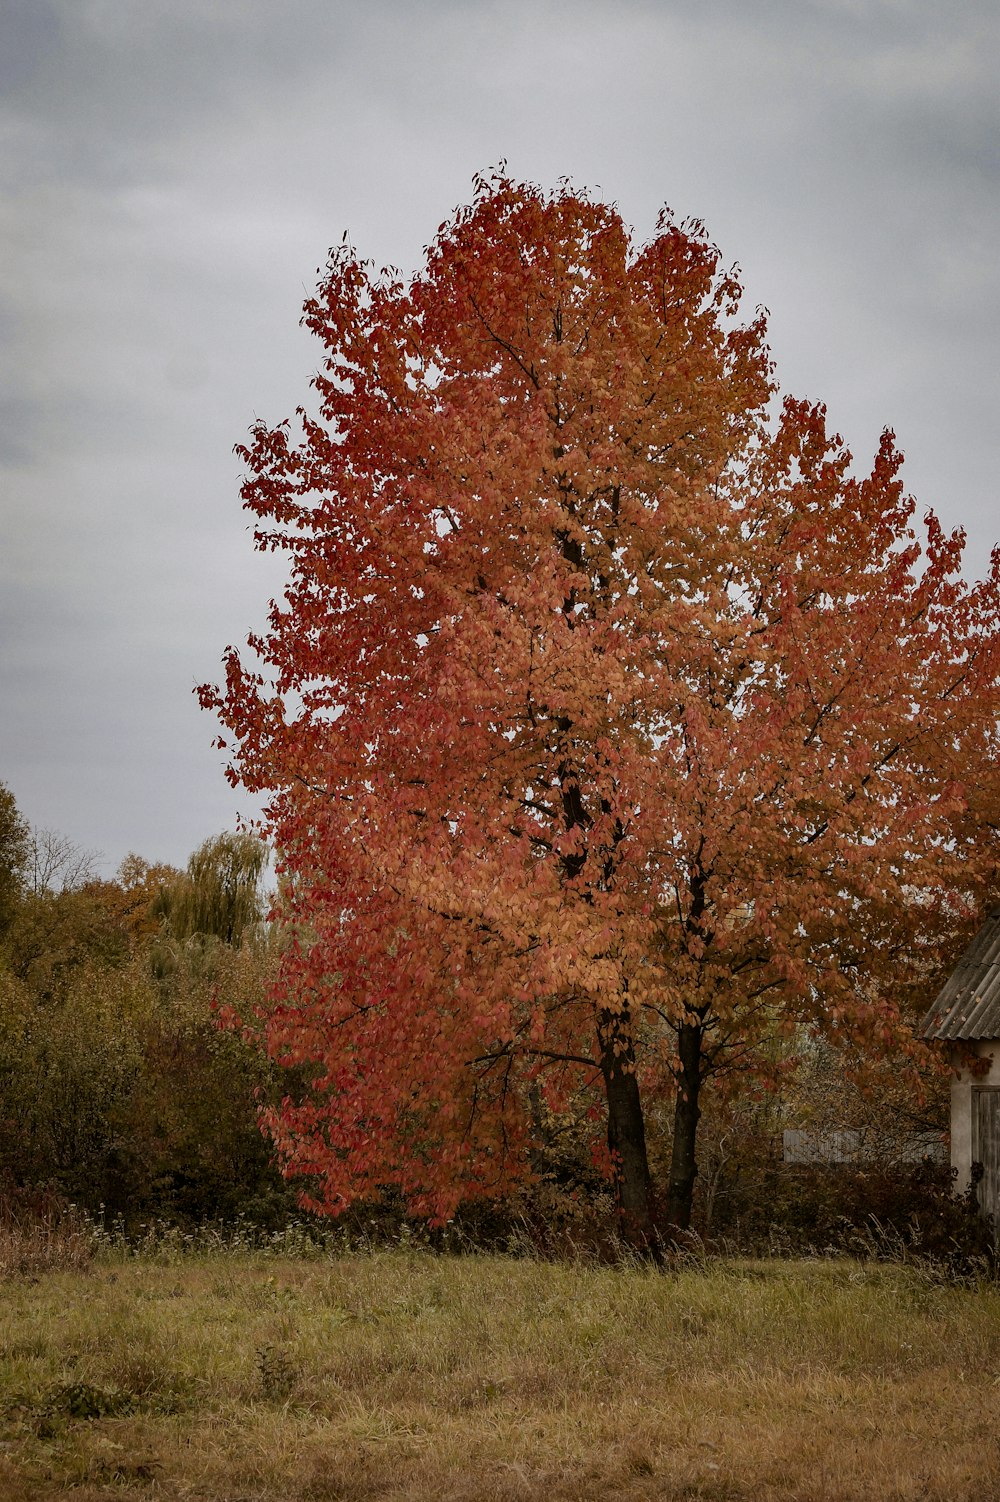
968 1004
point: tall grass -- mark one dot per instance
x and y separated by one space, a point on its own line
39 1232
406 1375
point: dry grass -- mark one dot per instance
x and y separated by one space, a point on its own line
400 1375
35 1243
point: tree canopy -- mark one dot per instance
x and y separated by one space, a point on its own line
15 856
610 722
219 895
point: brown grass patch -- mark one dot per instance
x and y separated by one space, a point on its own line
39 1234
405 1376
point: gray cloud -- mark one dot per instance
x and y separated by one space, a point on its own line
173 173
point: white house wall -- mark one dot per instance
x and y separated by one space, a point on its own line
961 1109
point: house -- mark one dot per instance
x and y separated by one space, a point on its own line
966 1012
833 1146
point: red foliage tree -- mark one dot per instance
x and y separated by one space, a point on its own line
606 724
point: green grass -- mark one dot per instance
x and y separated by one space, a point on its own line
400 1374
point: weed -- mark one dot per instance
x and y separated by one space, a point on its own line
277 1373
84 1400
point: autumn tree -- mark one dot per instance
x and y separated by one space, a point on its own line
72 919
608 724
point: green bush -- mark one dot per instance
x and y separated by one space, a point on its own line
121 1092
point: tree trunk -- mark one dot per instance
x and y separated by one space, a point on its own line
683 1166
627 1133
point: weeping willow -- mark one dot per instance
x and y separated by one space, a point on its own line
221 892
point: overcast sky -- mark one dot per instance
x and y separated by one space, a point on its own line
172 173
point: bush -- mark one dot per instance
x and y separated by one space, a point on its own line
122 1094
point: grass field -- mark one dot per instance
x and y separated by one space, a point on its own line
403 1375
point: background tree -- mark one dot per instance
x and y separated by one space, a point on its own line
117 1087
57 914
608 726
58 864
220 895
15 852
67 918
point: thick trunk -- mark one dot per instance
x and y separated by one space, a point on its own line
627 1134
683 1165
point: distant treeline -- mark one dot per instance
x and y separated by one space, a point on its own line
117 1087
